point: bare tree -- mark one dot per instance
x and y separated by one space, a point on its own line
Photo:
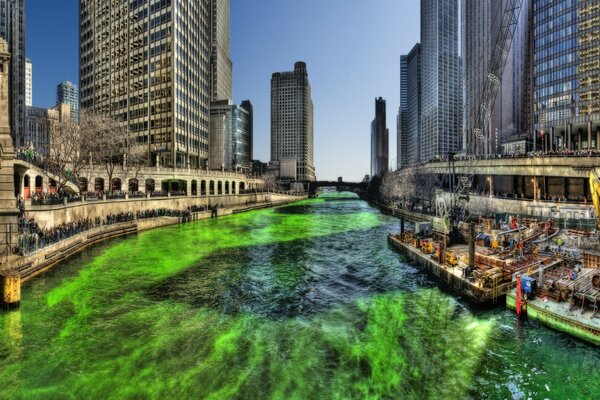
270 182
136 159
65 161
104 140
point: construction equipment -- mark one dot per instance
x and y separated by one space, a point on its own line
595 193
479 120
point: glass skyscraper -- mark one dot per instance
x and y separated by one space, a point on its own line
567 74
401 119
379 140
441 115
409 134
12 29
68 93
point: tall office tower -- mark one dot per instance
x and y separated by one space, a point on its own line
379 140
441 109
508 123
247 105
220 63
567 74
230 127
401 119
148 64
292 122
12 29
68 93
410 102
28 83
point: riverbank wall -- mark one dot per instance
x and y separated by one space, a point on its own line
53 215
28 266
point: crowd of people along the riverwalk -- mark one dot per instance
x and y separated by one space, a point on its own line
33 237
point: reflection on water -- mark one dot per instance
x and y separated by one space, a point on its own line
300 302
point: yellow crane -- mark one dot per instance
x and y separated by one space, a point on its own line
595 194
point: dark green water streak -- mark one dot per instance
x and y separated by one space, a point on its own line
304 301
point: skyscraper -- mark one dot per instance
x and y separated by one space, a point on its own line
379 140
220 63
28 83
68 93
12 29
510 118
401 119
292 121
230 130
149 65
247 105
410 103
441 116
567 75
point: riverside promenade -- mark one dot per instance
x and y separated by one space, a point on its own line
29 265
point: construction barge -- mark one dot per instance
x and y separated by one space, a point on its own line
487 268
566 296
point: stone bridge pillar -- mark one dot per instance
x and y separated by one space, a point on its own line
8 204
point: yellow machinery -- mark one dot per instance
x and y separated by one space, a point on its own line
451 258
427 247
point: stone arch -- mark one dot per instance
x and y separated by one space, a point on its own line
99 185
233 187
52 187
203 188
26 186
226 187
39 184
194 187
219 187
212 188
242 187
133 185
82 183
150 185
116 184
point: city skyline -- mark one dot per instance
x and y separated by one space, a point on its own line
347 69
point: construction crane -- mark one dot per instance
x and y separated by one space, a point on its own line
452 209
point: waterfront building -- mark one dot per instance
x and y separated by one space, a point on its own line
247 105
401 119
12 29
292 123
409 132
68 93
441 108
220 63
154 73
39 121
259 168
28 83
567 75
511 117
379 140
229 137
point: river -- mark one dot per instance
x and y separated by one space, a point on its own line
305 301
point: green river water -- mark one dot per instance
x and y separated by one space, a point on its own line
305 301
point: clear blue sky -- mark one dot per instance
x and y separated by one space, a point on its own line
352 48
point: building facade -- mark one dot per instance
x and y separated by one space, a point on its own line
68 93
410 102
510 119
39 122
28 83
220 63
12 29
379 140
292 121
567 74
230 128
247 105
441 109
153 74
402 117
